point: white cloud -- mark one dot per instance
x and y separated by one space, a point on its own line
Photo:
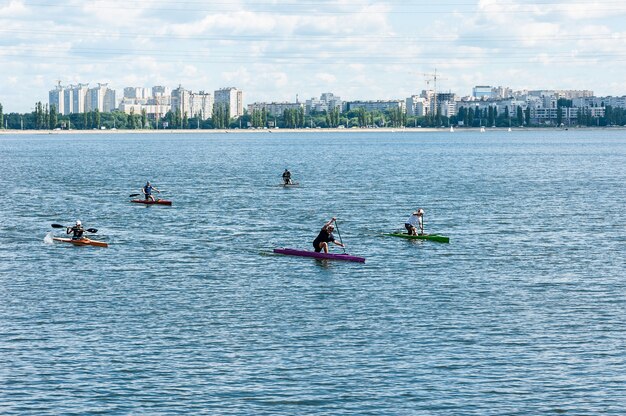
273 51
589 10
326 77
190 71
115 13
14 9
281 79
240 74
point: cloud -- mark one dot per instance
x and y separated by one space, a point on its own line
190 71
326 77
14 9
274 51
115 13
241 74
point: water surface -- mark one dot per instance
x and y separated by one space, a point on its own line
189 312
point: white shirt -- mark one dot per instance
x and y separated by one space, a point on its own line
415 221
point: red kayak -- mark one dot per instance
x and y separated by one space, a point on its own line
151 202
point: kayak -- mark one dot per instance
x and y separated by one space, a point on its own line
330 256
431 237
151 202
81 242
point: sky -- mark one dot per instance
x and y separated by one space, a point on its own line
276 51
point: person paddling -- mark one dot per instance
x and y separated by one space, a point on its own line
147 191
287 177
415 221
76 231
326 236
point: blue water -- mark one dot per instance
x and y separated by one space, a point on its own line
189 312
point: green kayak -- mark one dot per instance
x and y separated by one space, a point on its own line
431 237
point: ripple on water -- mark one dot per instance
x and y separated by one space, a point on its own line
189 311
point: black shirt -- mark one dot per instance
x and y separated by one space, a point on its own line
323 236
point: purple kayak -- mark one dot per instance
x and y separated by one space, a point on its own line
330 256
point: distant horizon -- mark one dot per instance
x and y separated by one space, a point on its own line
301 98
274 51
304 99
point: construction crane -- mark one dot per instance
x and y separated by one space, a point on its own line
433 77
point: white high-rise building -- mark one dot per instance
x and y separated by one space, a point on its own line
137 93
155 101
315 105
201 105
159 90
68 100
79 98
56 98
101 98
181 101
327 101
161 95
417 106
332 101
232 98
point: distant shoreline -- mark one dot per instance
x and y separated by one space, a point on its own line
305 131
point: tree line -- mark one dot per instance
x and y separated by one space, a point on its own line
44 117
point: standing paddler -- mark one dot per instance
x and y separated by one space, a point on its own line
415 221
287 177
326 236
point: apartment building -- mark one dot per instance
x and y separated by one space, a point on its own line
56 99
274 109
327 101
100 98
232 98
417 106
80 98
200 105
181 101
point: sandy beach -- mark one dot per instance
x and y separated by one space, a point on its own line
303 131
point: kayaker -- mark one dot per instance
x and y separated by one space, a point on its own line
326 236
287 177
76 231
147 191
415 220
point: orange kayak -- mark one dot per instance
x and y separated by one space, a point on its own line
151 202
81 242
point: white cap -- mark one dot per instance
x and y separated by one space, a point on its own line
420 211
78 222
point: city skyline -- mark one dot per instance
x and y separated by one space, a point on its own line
538 107
276 50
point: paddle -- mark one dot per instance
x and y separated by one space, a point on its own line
340 240
90 230
133 195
